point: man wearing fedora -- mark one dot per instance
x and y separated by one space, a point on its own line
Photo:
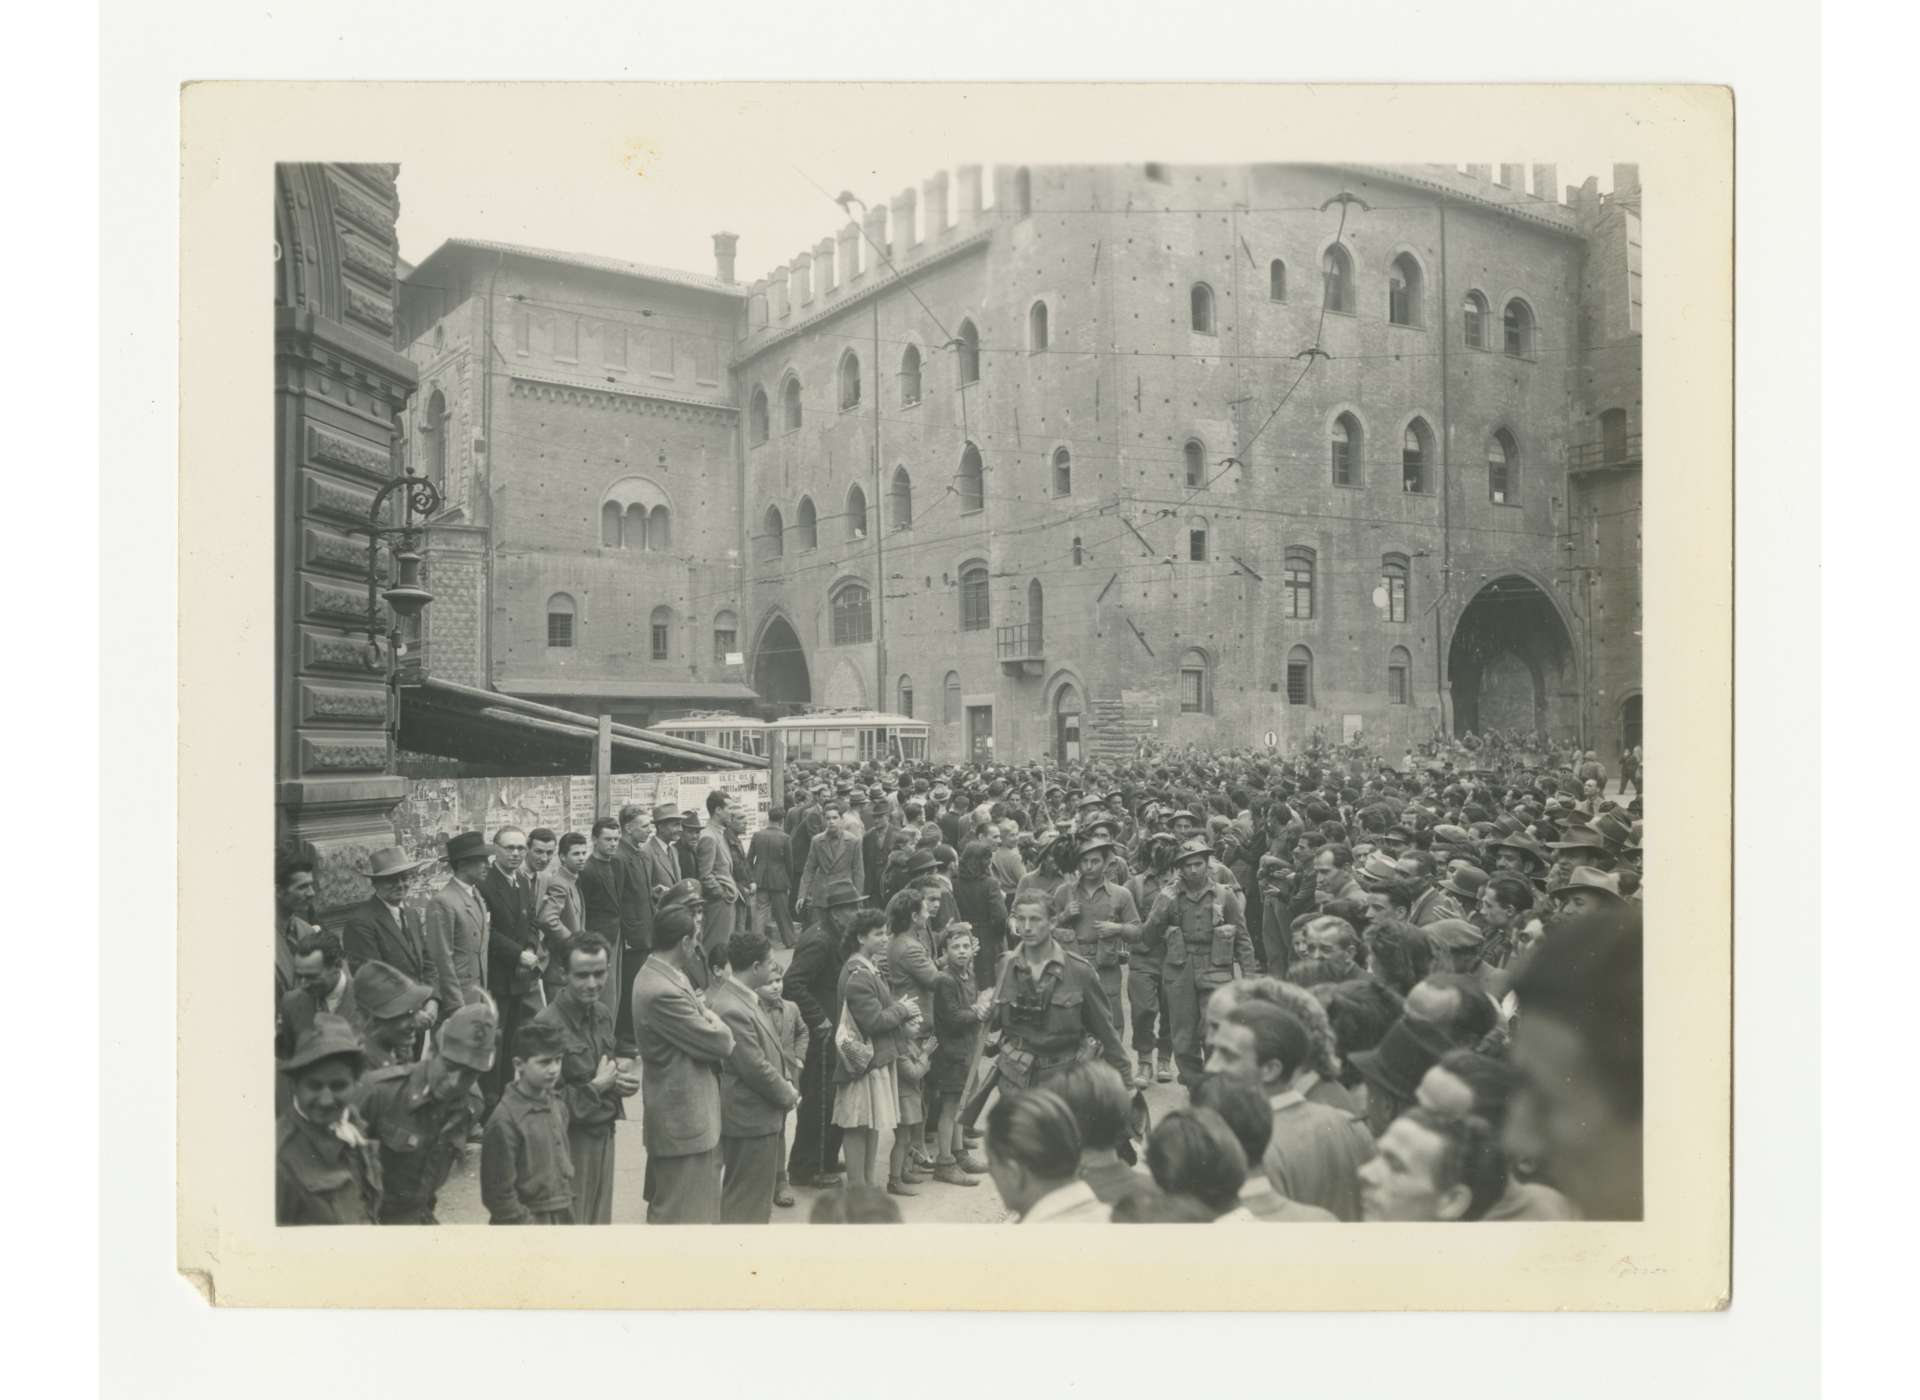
663 863
1586 891
390 1005
1453 898
813 984
383 929
1393 1068
457 917
423 1114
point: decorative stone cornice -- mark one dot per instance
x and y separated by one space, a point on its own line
621 399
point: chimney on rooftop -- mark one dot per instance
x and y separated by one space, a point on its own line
903 220
934 198
967 204
723 247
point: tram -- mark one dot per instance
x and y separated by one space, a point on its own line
852 736
740 733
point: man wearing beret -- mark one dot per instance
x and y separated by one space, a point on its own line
421 1115
682 1048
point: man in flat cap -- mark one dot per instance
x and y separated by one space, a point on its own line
422 1114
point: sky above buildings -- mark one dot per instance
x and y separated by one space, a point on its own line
652 179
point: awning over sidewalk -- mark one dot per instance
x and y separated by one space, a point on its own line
481 726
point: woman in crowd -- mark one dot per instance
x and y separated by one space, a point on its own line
867 1104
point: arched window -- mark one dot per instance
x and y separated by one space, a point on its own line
1037 327
1022 192
910 376
856 512
662 632
1346 450
1200 308
1503 469
726 636
852 614
1415 452
1297 585
1079 554
659 529
1197 540
1062 472
1337 268
806 534
1196 691
610 525
1195 454
976 607
902 498
951 714
1276 280
972 483
904 703
849 380
1517 323
438 430
1406 291
560 620
757 417
1299 676
790 404
1473 317
1392 597
635 534
969 348
773 534
1399 676
626 510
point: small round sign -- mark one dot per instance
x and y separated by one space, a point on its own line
1273 739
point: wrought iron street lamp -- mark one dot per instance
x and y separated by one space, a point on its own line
403 594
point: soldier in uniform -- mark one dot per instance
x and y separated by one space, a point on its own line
1146 983
1199 931
393 1005
1095 918
326 1169
421 1114
1048 1007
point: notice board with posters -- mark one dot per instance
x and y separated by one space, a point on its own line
434 809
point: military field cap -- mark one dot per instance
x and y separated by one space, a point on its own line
1193 846
383 990
537 1038
1585 877
1090 845
843 893
681 894
328 1036
467 1037
1454 934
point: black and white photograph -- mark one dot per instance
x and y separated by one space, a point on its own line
949 692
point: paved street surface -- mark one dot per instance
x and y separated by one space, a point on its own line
936 1203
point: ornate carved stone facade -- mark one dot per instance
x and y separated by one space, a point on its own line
338 386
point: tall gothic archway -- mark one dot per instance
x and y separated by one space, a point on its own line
780 672
1511 663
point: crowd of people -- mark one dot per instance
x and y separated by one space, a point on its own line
1386 992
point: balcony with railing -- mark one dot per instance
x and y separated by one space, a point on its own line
1612 452
1020 647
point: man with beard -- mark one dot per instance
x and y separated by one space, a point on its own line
421 1115
1200 934
813 984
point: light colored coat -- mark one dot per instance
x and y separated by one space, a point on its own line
457 921
754 1092
682 1046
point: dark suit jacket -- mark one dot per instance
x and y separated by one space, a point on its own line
754 1092
663 866
510 906
767 857
813 978
682 1046
602 883
636 903
371 935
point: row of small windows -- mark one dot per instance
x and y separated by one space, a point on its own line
850 382
563 631
969 487
635 527
1196 679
